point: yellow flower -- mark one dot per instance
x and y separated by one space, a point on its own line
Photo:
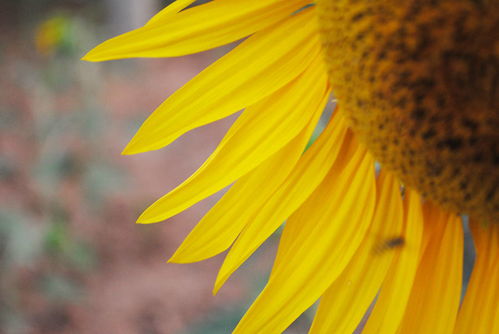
352 237
50 33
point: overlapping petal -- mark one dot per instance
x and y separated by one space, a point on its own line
252 71
254 137
345 302
436 293
170 10
196 29
222 224
394 295
303 180
479 313
316 258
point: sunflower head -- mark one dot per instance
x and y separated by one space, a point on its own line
419 83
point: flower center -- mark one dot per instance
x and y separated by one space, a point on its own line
419 82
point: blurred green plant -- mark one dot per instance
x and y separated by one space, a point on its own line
63 248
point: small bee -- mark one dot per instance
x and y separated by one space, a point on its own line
388 244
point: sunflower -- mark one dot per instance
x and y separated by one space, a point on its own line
372 209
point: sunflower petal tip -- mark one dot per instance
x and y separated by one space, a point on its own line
215 290
176 257
127 151
136 146
91 56
133 147
143 219
151 216
220 281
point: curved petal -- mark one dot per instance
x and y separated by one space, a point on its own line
479 313
196 29
311 169
316 258
254 137
394 295
222 224
252 71
346 301
436 293
169 11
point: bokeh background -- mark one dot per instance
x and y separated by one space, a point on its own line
71 258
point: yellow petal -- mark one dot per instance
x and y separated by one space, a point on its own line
436 293
350 148
479 313
255 69
196 29
169 11
255 136
346 301
331 224
393 297
307 175
222 224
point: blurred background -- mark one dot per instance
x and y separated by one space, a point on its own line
71 258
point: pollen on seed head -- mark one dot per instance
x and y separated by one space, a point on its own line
418 82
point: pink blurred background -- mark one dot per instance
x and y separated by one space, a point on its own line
72 260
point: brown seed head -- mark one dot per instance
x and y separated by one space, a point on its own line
419 83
